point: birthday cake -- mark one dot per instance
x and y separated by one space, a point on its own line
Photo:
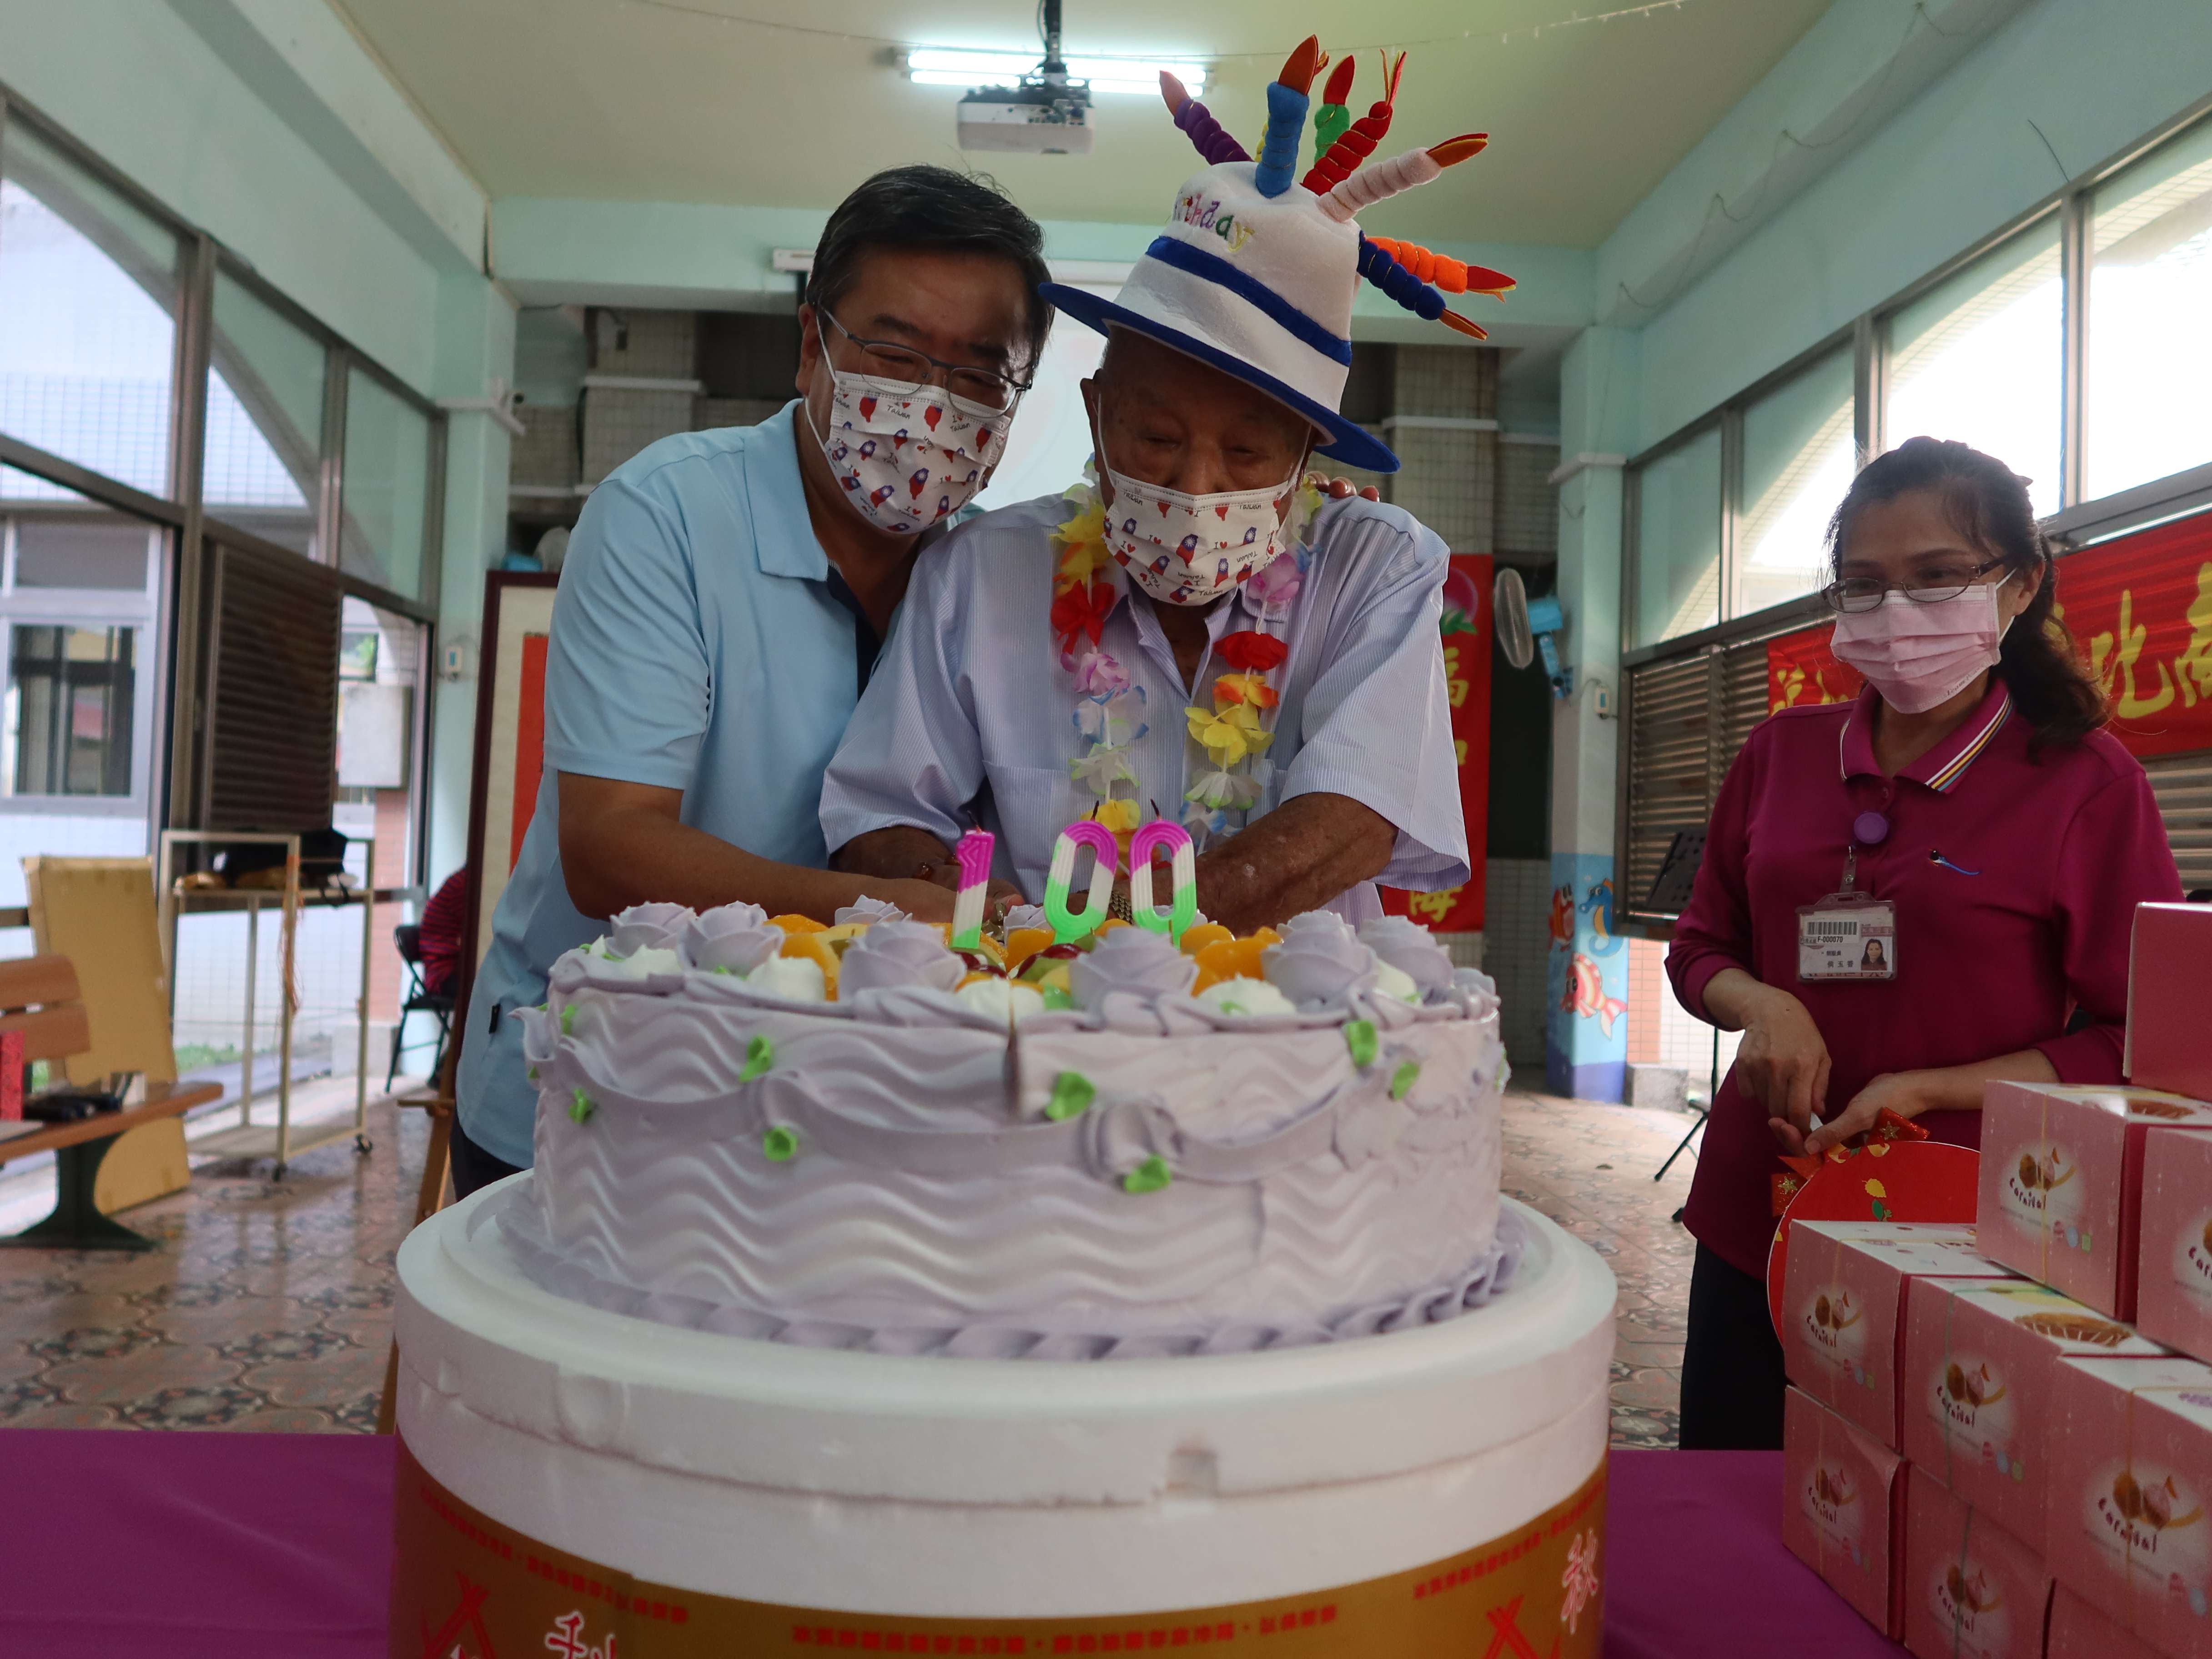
851 1137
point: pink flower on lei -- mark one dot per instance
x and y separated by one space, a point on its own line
1277 582
1100 674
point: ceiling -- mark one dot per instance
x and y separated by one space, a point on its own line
752 102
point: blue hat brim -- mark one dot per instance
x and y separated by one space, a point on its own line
1348 442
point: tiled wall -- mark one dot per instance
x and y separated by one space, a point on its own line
1517 943
1528 511
1663 1032
546 458
659 345
619 422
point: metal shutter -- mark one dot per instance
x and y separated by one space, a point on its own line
2183 784
1669 774
1689 719
270 753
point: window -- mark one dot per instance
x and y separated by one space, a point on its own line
265 420
1800 454
106 556
387 486
88 284
71 692
1678 540
1980 358
2149 346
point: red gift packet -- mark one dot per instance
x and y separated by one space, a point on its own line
11 1076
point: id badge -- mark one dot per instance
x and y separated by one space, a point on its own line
1847 936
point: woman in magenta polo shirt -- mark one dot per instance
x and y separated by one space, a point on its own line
1968 817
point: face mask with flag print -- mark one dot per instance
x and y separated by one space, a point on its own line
1191 549
909 457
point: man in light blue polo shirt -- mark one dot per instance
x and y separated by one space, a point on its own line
723 601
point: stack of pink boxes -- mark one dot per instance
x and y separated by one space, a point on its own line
1987 1465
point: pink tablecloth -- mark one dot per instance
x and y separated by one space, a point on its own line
122 1545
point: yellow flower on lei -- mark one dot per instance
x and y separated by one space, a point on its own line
1247 688
1081 542
1230 734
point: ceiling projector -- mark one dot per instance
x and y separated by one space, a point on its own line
1046 114
1037 118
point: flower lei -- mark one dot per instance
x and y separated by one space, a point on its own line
1233 734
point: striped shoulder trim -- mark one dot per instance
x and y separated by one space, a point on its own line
1947 780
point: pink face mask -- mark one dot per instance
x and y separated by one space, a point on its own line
1919 655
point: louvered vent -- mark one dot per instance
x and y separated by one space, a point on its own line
1670 746
272 687
2183 784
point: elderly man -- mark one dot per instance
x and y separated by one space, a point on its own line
1196 635
723 601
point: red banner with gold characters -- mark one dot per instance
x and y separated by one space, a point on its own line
1466 629
2140 608
466 1587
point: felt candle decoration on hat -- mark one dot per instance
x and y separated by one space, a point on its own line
1207 135
975 855
1287 98
1161 836
1333 118
1069 926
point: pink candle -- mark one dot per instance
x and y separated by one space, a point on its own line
975 855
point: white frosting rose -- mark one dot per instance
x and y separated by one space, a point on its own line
1245 996
795 979
1394 981
1002 999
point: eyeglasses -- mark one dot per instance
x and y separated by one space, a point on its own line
910 370
1930 586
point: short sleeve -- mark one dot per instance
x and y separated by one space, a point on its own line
913 754
2114 857
628 684
1377 719
1714 931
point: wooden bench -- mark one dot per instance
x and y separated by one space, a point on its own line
40 995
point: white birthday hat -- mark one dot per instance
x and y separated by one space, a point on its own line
1255 275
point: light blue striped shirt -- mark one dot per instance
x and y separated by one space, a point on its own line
971 716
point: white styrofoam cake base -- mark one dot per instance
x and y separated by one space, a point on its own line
870 1483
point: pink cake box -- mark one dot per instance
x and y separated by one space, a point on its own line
2078 1630
1971 1589
1842 1297
1976 1387
2062 1183
2131 1484
1843 1508
2169 988
2173 1276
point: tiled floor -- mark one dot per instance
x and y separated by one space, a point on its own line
1589 1167
269 1305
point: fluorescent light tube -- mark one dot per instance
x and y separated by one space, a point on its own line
945 66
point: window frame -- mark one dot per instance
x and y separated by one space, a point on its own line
2076 523
170 660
